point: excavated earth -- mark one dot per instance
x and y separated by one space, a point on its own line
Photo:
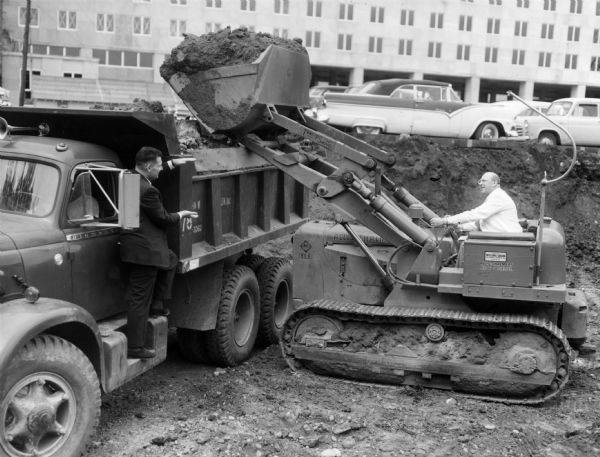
261 408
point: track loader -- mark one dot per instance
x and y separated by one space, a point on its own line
379 294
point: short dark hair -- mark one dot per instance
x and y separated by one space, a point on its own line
147 154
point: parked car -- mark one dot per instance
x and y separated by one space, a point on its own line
316 93
580 116
417 107
521 111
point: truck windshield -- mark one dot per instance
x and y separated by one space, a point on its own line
27 187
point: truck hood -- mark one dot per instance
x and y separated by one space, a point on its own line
20 232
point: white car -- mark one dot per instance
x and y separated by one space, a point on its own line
421 108
580 116
521 111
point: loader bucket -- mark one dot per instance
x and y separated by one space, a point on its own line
232 99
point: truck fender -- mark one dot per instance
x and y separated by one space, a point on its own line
20 321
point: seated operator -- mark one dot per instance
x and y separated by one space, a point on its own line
497 213
82 205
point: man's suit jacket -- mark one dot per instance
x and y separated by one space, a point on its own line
147 245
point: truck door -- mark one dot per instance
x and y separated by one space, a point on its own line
93 250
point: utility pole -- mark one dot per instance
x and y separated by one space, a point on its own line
1 45
25 52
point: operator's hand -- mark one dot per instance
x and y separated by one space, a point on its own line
186 213
181 160
438 221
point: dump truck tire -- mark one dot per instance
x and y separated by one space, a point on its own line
252 261
192 345
50 404
233 338
275 282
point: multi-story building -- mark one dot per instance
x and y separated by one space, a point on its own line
86 51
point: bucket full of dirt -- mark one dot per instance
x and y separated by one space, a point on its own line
231 98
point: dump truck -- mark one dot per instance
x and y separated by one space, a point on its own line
380 295
62 309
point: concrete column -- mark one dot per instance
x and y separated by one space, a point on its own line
578 91
357 76
417 75
471 94
526 90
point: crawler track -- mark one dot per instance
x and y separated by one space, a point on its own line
329 354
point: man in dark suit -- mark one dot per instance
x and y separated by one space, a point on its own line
149 262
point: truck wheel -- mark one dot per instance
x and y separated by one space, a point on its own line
487 131
192 345
548 138
275 282
50 405
231 342
252 261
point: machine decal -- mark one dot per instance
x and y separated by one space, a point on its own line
92 234
491 256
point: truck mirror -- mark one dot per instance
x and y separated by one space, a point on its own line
129 200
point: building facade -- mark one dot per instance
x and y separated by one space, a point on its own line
110 51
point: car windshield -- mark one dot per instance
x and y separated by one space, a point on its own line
453 96
27 187
559 108
365 88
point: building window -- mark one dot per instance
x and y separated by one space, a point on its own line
520 28
463 52
313 39
141 25
575 7
596 37
105 22
282 6
493 26
465 23
434 49
344 42
212 27
405 47
407 17
178 2
177 27
598 8
548 31
346 11
34 20
518 57
67 20
522 3
573 33
595 64
436 20
116 58
376 44
550 5
213 3
281 33
377 13
570 61
248 5
314 8
491 54
496 2
544 59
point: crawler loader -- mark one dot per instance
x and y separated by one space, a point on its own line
379 294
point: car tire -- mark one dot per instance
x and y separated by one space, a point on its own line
50 403
275 282
367 130
232 340
487 131
548 138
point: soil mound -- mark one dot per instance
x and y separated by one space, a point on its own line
445 179
220 49
139 104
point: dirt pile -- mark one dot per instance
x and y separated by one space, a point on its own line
139 104
220 49
445 179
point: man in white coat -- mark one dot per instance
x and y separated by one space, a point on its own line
497 213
